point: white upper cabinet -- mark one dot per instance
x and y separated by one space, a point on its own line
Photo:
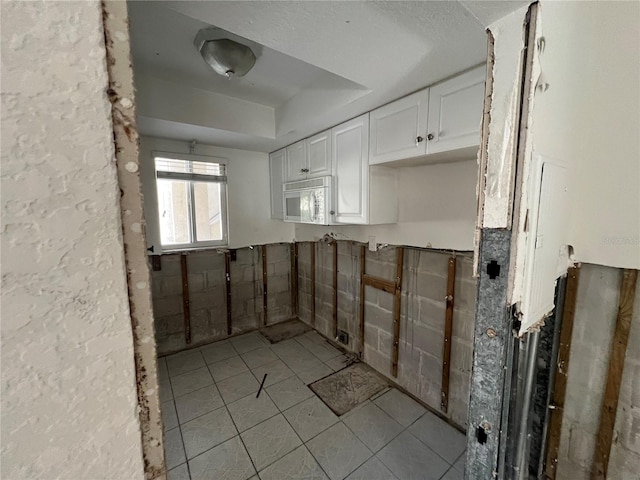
455 112
319 155
296 162
309 158
398 130
350 149
363 194
276 175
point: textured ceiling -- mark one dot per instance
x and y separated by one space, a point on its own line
319 63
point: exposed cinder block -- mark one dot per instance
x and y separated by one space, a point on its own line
174 324
434 263
376 316
386 271
160 324
170 266
216 278
247 274
278 284
377 360
461 355
171 285
245 324
282 268
629 427
463 324
243 291
278 252
209 298
427 339
200 262
409 367
197 282
431 286
581 445
385 300
167 306
247 256
156 287
465 293
430 379
371 337
464 267
623 463
432 312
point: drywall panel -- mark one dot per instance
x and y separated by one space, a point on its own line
590 118
546 250
248 193
69 402
437 209
508 37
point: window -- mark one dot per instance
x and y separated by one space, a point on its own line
192 201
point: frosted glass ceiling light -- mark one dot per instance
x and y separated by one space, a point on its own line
227 57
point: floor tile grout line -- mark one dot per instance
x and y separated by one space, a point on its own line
414 436
181 373
366 460
391 440
304 444
242 441
437 454
286 420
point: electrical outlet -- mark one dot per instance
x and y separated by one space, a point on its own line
343 337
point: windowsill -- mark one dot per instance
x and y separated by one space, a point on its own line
193 248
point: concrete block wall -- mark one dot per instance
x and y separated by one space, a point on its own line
594 324
422 315
207 295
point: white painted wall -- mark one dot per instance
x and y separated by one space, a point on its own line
437 209
589 118
69 404
247 188
170 101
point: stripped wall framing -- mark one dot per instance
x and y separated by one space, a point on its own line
323 281
223 295
422 314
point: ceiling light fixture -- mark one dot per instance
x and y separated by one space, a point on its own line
227 57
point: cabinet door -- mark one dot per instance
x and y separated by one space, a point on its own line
349 155
455 112
296 162
398 130
319 154
276 177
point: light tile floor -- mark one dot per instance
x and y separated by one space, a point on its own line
216 428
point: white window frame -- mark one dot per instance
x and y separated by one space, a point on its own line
195 177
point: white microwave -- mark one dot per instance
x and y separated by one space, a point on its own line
308 201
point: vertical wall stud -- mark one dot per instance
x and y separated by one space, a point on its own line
363 253
560 384
227 280
264 284
448 329
614 375
312 246
185 298
335 288
294 279
396 310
